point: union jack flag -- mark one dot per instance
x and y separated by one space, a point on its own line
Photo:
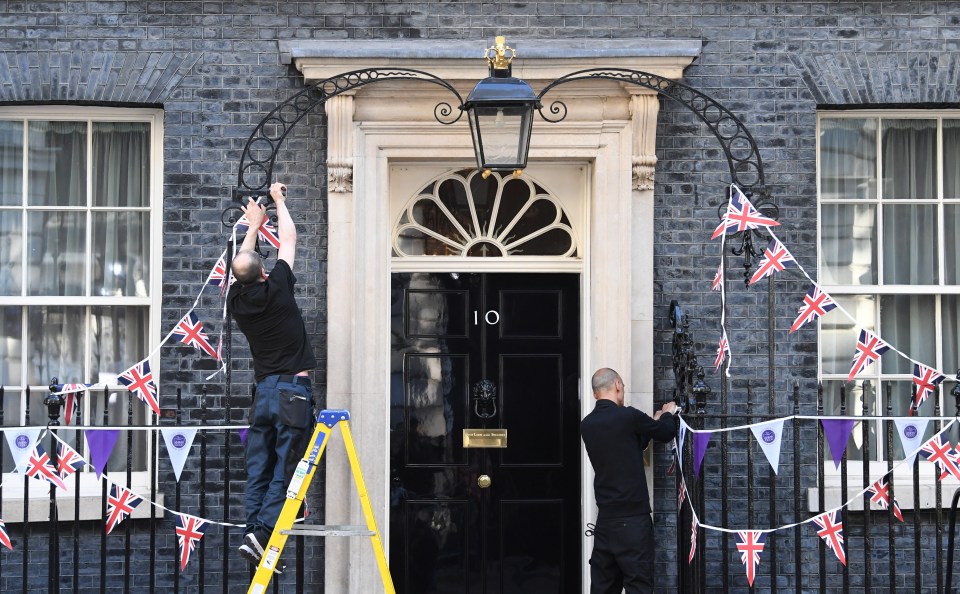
722 351
815 304
681 496
776 258
266 231
120 505
190 530
71 393
879 493
4 537
750 545
717 279
68 460
693 540
869 349
190 331
830 529
926 380
219 272
941 453
741 215
40 467
139 380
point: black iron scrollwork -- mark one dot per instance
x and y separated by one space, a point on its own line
685 364
485 399
260 152
739 147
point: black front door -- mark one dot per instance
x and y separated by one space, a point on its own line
485 351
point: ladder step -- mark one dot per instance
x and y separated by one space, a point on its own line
325 530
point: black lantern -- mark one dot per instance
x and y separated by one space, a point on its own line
500 110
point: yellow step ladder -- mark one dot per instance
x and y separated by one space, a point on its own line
327 420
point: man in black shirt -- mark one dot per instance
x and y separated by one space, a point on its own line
615 437
281 417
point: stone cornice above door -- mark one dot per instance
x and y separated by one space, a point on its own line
458 61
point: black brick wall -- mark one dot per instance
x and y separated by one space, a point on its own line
214 68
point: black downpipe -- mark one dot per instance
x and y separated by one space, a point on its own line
203 485
128 525
821 494
867 523
26 508
797 497
52 402
78 446
176 552
103 501
843 490
891 533
750 510
154 470
953 527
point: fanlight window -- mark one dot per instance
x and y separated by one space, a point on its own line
462 214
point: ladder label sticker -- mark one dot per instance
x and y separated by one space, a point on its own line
270 559
297 481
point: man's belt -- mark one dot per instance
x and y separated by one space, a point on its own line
303 380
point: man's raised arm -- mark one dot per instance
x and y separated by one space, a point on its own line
286 231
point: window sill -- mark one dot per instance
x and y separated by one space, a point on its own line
902 483
90 495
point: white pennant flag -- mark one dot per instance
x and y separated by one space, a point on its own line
769 436
178 440
911 431
21 443
680 437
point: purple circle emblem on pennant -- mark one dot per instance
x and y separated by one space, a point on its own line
768 436
910 431
22 441
179 440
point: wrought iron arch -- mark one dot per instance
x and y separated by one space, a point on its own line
256 174
739 147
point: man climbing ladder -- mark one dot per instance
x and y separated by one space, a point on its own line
297 490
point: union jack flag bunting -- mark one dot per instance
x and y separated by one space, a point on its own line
693 541
4 537
266 231
190 331
723 350
190 530
68 460
776 258
750 544
830 529
681 496
741 215
219 273
815 304
942 454
869 349
717 279
120 505
879 493
40 467
139 380
926 380
71 397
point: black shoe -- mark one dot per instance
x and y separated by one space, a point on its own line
251 549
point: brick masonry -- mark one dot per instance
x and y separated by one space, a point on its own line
214 68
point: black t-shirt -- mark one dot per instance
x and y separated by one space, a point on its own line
615 437
270 319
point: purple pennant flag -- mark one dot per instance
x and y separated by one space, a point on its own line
837 432
101 444
700 441
243 435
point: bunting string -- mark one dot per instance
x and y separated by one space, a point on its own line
742 216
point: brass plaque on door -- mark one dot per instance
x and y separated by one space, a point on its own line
484 438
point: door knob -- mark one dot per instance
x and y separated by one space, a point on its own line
483 481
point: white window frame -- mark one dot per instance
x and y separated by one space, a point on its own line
903 476
90 486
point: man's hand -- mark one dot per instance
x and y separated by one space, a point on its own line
669 407
255 213
278 192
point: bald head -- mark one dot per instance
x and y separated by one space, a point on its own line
604 380
247 267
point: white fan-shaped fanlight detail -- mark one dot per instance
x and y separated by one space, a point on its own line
428 227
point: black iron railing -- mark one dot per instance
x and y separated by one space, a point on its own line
738 491
140 555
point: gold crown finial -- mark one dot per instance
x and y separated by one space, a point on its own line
499 55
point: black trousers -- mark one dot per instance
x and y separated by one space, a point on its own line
622 556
